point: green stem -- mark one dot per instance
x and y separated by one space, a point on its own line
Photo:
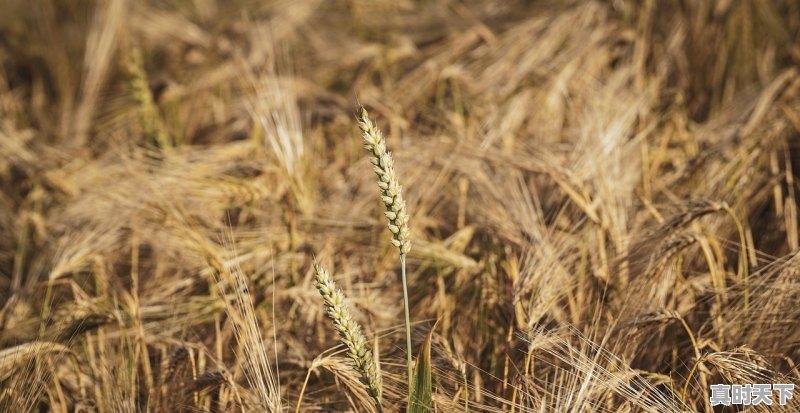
408 323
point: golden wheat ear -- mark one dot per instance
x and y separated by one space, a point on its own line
349 333
392 197
391 191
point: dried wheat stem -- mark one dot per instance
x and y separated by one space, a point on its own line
349 333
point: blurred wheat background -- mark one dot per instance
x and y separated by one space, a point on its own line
603 202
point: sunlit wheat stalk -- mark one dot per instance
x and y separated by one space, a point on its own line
392 196
349 333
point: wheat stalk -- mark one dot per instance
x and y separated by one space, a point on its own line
349 333
392 196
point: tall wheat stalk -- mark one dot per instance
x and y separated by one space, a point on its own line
392 196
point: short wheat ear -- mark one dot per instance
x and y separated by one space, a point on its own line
392 197
349 333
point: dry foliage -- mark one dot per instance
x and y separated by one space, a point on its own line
602 199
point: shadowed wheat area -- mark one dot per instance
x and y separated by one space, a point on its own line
599 205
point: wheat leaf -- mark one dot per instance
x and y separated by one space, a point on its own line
422 394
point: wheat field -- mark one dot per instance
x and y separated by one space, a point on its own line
592 205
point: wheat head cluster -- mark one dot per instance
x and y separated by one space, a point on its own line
200 211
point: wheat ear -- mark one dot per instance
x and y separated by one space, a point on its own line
392 196
391 191
349 333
